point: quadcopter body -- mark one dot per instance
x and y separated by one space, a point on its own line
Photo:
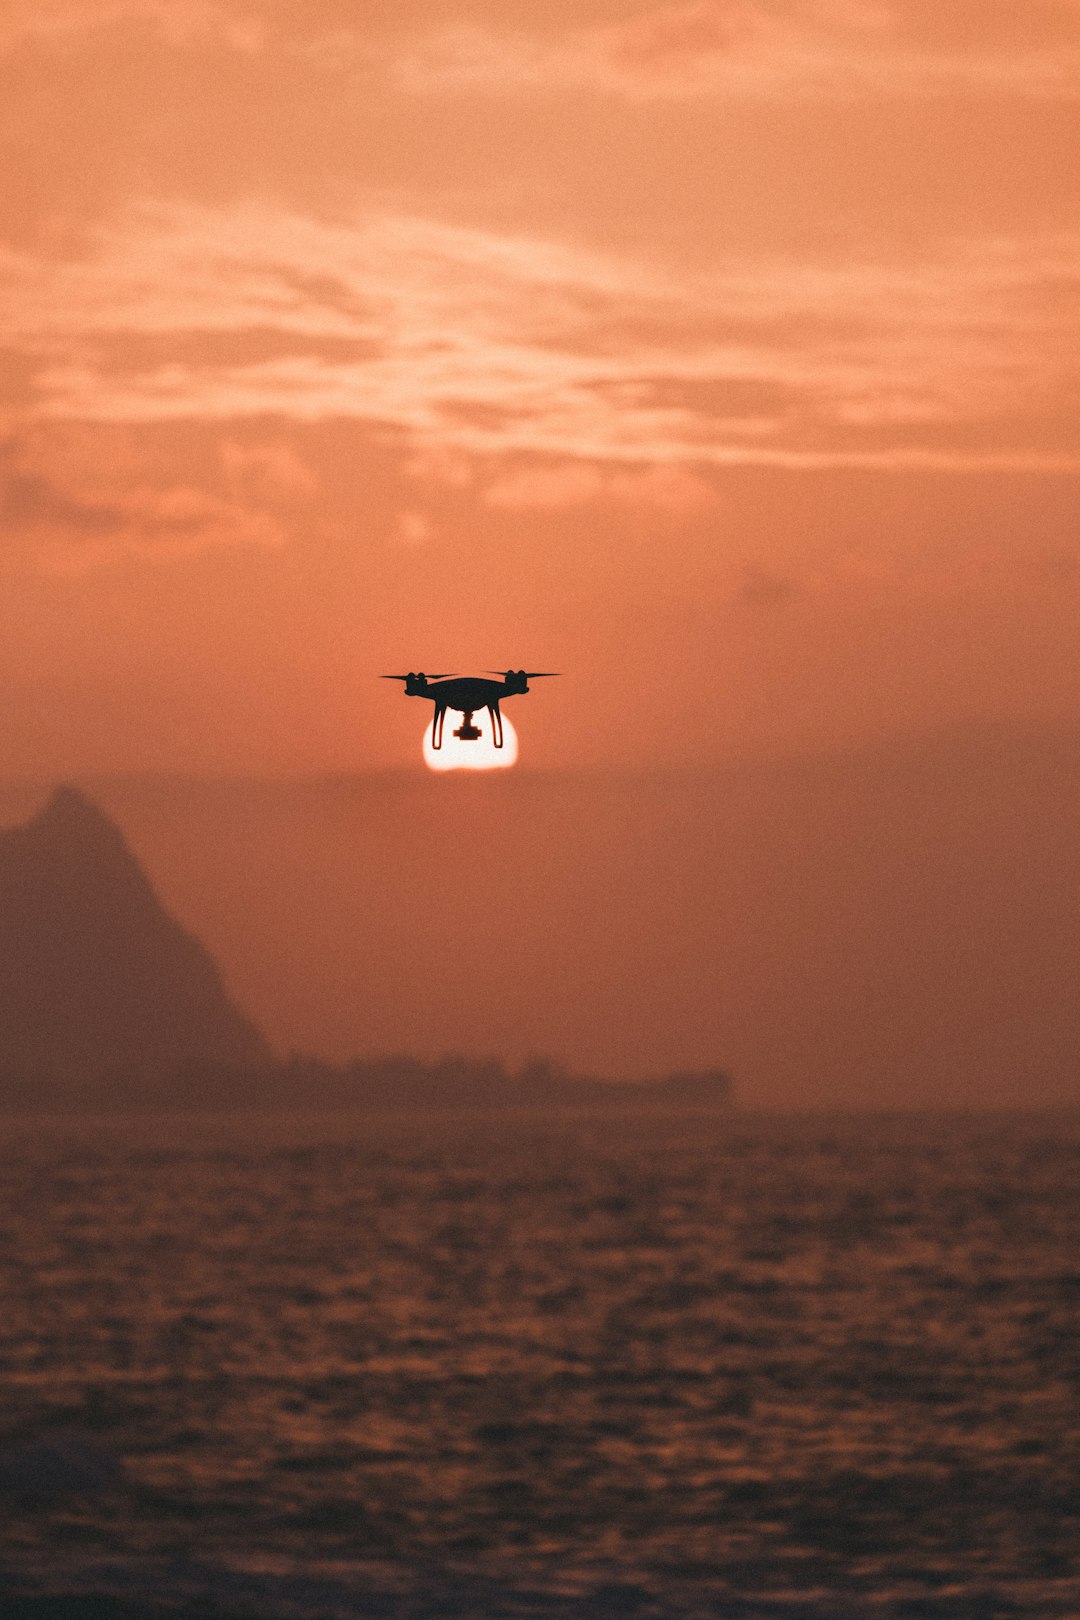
467 695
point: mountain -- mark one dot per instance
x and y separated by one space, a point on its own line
96 979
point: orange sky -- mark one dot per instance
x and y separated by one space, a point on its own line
721 354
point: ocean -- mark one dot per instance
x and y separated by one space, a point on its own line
728 1365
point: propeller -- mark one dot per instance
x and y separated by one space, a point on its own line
446 676
529 674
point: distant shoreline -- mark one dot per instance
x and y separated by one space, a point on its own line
392 1085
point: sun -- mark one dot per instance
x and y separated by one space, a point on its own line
478 755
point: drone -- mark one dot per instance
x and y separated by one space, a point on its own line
468 694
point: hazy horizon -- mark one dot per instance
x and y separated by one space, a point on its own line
878 927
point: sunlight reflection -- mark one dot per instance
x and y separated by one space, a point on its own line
479 755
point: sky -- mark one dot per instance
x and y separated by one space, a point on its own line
721 354
884 928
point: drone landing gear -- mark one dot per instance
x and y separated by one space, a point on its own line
467 732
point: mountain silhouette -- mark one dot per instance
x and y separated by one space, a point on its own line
96 979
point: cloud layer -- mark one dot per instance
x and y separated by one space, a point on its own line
739 331
499 344
681 49
74 503
804 48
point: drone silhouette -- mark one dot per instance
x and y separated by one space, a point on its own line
468 694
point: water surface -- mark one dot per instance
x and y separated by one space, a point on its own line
659 1366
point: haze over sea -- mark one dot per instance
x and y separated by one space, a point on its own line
886 928
729 1365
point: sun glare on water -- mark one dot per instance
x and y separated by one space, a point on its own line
480 755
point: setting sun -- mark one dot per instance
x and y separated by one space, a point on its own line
480 754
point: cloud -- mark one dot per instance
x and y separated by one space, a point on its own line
762 588
70 521
273 472
469 342
179 22
802 48
413 528
563 484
